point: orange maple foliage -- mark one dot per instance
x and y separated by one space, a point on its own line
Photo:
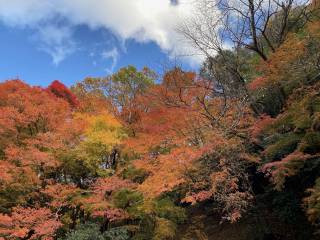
260 125
61 195
31 223
258 83
33 124
98 203
166 171
175 130
289 166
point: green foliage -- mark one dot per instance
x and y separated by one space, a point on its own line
102 133
91 231
312 203
316 122
165 229
77 165
13 195
221 169
129 200
146 228
156 218
302 123
161 149
134 174
165 208
283 124
297 117
315 104
270 100
117 233
311 143
85 232
284 146
292 141
297 125
129 78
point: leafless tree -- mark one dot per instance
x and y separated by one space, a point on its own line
226 31
258 25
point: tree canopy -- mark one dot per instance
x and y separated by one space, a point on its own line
136 156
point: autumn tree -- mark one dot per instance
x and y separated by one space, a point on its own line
35 125
121 156
288 138
259 26
31 123
122 89
252 29
176 144
61 91
29 223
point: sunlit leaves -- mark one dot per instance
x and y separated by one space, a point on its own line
29 223
102 129
61 91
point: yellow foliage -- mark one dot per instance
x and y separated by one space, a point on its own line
102 129
165 229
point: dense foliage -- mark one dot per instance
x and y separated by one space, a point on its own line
129 157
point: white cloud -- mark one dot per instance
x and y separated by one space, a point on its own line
25 13
56 41
142 20
112 54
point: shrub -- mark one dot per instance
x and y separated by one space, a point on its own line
284 146
315 104
91 231
118 233
134 174
165 208
312 203
316 122
128 199
85 232
164 229
302 123
311 143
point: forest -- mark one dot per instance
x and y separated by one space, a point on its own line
229 152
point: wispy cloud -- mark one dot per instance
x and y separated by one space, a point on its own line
57 41
112 55
141 20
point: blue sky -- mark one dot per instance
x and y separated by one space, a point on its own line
22 56
45 40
